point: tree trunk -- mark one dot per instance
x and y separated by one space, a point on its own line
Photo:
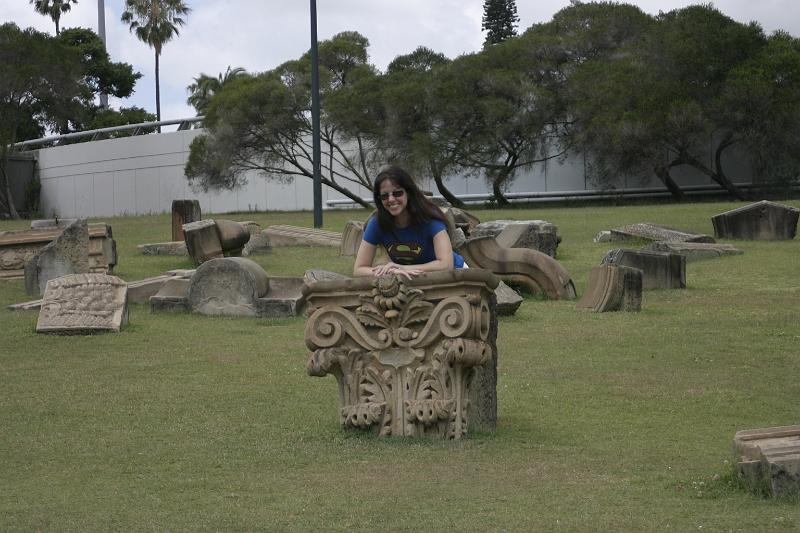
497 182
663 174
445 192
335 186
722 179
5 194
158 95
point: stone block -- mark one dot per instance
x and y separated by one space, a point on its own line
171 296
768 459
660 270
694 250
183 212
83 303
49 223
284 298
412 358
233 236
760 221
68 253
508 300
140 291
613 288
202 240
227 286
647 231
258 244
537 235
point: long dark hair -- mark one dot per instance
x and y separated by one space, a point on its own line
420 209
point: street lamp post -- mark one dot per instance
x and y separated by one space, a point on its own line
315 119
101 31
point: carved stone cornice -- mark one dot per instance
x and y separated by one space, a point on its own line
402 351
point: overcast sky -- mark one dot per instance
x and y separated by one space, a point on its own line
261 34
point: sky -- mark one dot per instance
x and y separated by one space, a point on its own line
259 35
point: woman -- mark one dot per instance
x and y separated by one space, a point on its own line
412 230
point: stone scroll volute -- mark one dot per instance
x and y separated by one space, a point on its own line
403 352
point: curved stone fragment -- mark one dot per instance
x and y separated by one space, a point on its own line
232 236
227 286
613 288
351 238
536 270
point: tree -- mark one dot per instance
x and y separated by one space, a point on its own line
263 123
155 23
655 104
205 87
53 9
39 81
499 20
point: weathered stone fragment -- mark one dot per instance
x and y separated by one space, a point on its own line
352 236
232 236
284 235
694 250
768 459
412 357
760 221
67 254
163 248
83 303
660 270
140 291
533 234
536 271
183 212
171 296
508 300
33 305
284 298
613 288
258 243
647 231
227 286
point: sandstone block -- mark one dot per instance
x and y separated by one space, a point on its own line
163 248
613 288
660 270
508 300
352 236
760 221
171 296
694 250
537 235
648 231
183 212
227 286
768 459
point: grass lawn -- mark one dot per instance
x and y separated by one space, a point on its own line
614 421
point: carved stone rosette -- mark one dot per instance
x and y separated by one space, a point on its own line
403 351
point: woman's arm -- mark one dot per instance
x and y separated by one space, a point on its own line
364 258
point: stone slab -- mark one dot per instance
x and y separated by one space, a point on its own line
759 221
163 248
648 231
283 298
227 286
285 235
660 270
33 305
768 459
202 241
694 251
82 304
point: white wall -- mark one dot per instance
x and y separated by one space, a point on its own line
143 174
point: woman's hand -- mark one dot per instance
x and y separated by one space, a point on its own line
393 268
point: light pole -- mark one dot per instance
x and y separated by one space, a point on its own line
315 119
101 31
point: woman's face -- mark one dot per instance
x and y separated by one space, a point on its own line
393 197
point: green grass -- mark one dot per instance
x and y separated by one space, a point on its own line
615 421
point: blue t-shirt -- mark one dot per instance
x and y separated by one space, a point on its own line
409 246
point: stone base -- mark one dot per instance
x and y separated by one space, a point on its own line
768 459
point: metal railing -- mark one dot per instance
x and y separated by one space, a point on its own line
103 133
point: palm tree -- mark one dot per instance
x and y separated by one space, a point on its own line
205 87
53 9
155 22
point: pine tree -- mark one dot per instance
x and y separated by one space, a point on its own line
499 20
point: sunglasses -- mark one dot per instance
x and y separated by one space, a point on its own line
399 193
